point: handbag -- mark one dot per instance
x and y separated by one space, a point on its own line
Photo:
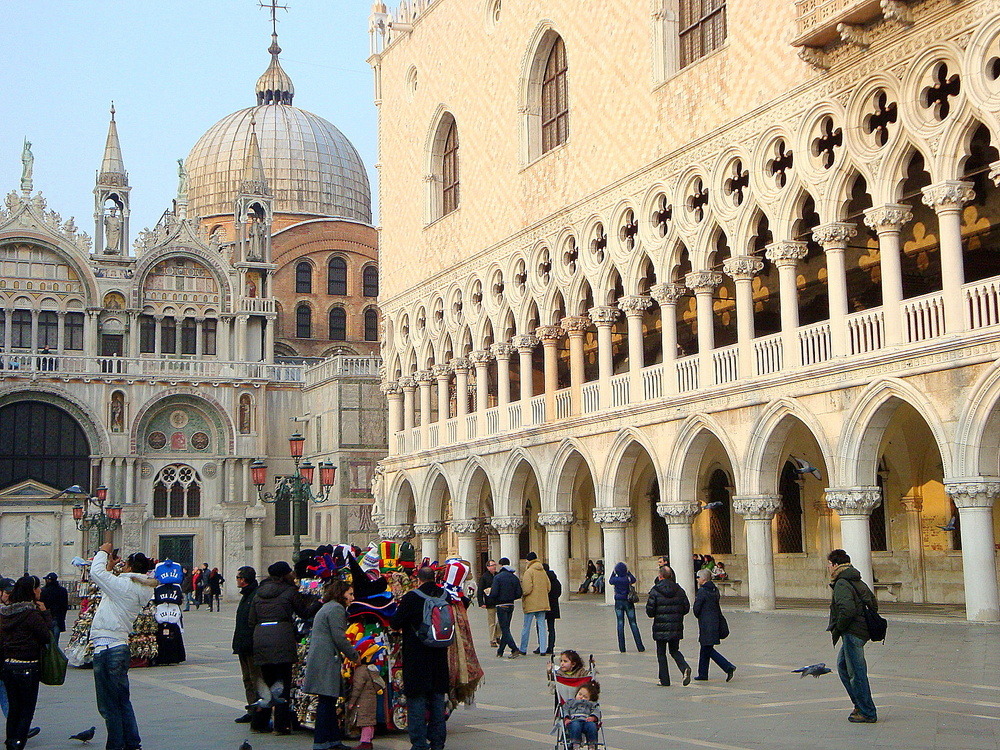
52 666
633 595
723 627
874 622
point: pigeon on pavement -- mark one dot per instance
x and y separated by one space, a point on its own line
813 669
246 745
85 736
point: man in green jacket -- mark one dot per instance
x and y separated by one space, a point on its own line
847 624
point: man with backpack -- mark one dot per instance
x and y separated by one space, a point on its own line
425 620
848 624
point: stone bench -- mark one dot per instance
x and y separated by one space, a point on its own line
732 585
889 588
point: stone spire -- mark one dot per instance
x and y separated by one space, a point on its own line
113 166
274 86
254 181
111 198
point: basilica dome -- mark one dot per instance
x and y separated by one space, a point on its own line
311 167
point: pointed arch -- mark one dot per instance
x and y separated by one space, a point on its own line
568 460
681 473
514 480
473 479
764 458
430 504
623 456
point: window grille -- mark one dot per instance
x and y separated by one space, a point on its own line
719 519
370 281
703 28
303 278
338 324
73 333
371 325
555 99
303 322
789 518
337 277
449 170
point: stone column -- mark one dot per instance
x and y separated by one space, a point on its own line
217 529
741 270
225 338
947 199
241 337
557 546
234 550
429 534
679 516
704 284
133 517
424 378
509 529
525 345
757 512
503 352
130 479
466 530
974 500
604 318
269 326
133 334
461 367
90 334
854 505
667 296
199 324
409 386
613 522
634 308
257 542
834 238
785 254
61 333
394 397
442 373
481 359
550 337
34 330
576 327
887 221
912 507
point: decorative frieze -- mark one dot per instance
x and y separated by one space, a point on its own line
786 252
612 516
556 518
678 512
853 501
743 267
973 494
757 507
434 528
666 294
835 235
466 525
604 315
949 195
507 524
888 218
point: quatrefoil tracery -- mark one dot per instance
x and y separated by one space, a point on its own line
936 96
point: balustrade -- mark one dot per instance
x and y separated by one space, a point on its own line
726 364
814 343
923 317
687 373
620 390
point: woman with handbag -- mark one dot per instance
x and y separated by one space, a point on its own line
25 632
625 599
712 626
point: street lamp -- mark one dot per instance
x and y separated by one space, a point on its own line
96 512
296 489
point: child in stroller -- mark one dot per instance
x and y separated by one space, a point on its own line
577 712
582 716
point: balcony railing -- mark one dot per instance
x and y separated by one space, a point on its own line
814 343
687 373
767 354
591 397
726 363
343 367
816 20
924 317
258 305
538 409
493 421
865 331
179 368
652 382
620 389
564 403
982 303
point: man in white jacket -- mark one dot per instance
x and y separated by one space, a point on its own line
122 597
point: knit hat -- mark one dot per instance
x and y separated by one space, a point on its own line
279 569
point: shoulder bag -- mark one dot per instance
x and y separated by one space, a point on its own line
53 664
874 622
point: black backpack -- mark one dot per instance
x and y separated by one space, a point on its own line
874 622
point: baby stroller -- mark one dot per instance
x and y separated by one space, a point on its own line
563 689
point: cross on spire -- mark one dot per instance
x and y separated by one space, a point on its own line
273 5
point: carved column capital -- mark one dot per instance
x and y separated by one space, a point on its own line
604 315
853 501
507 524
392 388
441 372
424 377
667 294
973 493
525 342
994 174
575 325
835 235
407 382
703 282
888 218
428 529
460 364
401 532
466 525
757 507
635 305
949 195
743 267
481 357
556 519
786 252
678 512
912 504
612 516
549 334
503 350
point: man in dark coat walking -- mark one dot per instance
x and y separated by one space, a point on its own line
56 600
847 624
425 669
505 591
246 580
555 591
711 630
667 604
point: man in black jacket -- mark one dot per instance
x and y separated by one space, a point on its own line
246 580
667 604
425 669
482 599
56 600
505 591
555 591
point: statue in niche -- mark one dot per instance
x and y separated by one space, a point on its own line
255 237
117 411
113 231
27 165
182 180
245 414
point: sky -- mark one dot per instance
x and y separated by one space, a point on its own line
173 69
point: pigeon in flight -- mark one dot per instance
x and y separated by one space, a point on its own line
804 467
72 490
246 745
950 526
813 669
713 505
85 736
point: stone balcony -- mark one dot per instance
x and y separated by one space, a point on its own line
817 21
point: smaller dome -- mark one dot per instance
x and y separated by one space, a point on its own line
275 86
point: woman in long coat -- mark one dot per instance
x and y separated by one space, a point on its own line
328 644
711 630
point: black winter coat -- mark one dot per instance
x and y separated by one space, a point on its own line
243 633
425 668
555 591
56 600
506 588
709 613
272 616
24 631
667 604
485 582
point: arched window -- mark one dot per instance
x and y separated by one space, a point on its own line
189 336
449 170
369 283
659 538
48 330
336 282
303 322
702 28
789 518
20 333
303 278
719 525
371 325
177 492
555 99
338 324
40 441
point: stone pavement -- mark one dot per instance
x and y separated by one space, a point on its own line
936 683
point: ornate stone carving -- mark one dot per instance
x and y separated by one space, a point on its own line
757 507
743 267
667 294
524 341
503 350
835 235
392 388
786 252
507 524
854 35
605 315
235 540
612 516
133 515
441 372
853 501
888 218
466 525
481 357
995 173
814 56
401 532
556 518
549 333
428 529
575 324
912 504
460 364
424 376
678 512
897 12
973 494
634 306
703 281
948 195
407 382
30 212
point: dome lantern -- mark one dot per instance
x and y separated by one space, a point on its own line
274 86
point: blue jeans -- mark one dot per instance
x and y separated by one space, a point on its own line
537 619
504 615
113 700
425 721
3 698
623 609
854 674
326 732
577 729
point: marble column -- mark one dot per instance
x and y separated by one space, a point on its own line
887 221
257 541
503 352
834 238
481 359
130 468
604 318
525 345
786 254
704 284
550 337
679 516
424 378
269 323
241 337
613 522
429 533
667 296
635 308
854 505
217 543
509 530
442 374
409 386
576 327
466 529
974 500
757 512
557 525
461 366
394 397
947 199
742 269
133 335
913 507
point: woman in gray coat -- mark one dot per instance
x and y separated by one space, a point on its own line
327 644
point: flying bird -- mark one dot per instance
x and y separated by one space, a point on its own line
813 669
950 526
713 505
85 736
72 490
804 467
246 745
